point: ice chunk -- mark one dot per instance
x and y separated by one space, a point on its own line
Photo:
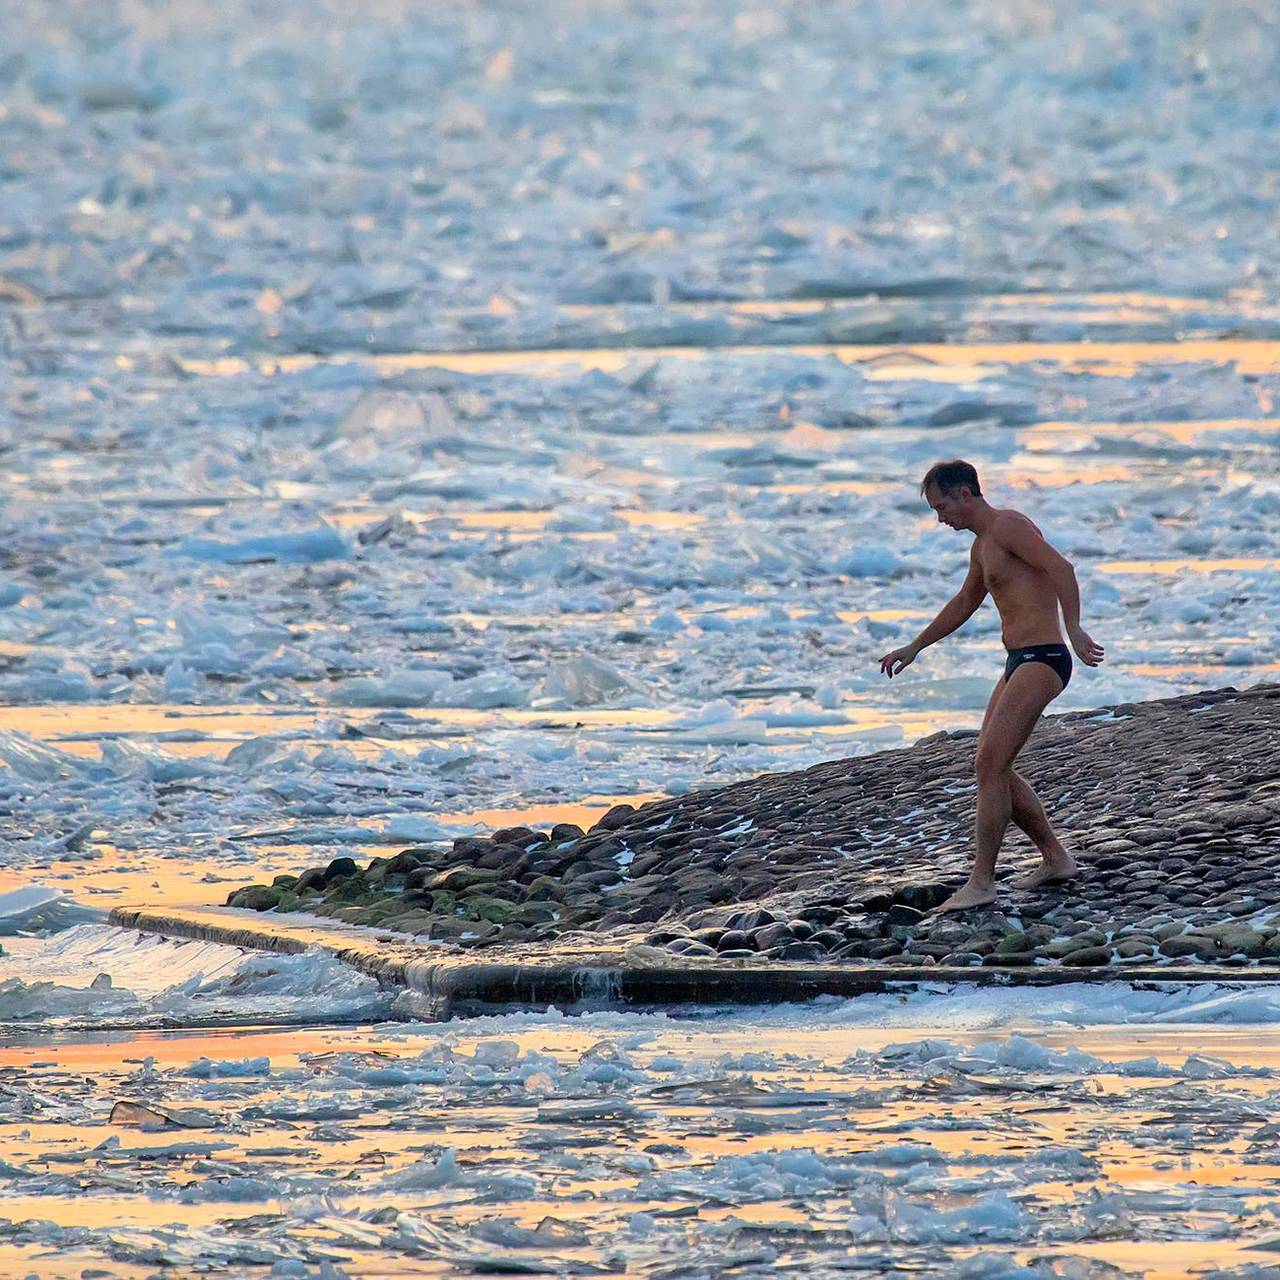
206 1068
419 830
992 1217
303 547
37 762
583 681
409 689
181 683
385 414
586 520
36 907
725 733
135 759
492 689
425 1174
160 1116
870 562
232 1188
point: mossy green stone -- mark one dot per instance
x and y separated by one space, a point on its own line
543 888
256 897
446 928
533 913
410 922
353 915
1012 944
457 878
492 909
347 890
1089 938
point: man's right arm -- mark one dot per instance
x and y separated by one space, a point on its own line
955 613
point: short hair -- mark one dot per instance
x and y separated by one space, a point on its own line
947 477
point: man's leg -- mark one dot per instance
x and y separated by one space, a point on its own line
1056 864
1028 814
1009 723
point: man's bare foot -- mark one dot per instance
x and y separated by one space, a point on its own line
1059 871
965 898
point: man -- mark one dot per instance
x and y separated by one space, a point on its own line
1028 580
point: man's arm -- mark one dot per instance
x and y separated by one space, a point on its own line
1017 535
957 611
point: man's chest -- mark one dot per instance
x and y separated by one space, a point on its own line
997 565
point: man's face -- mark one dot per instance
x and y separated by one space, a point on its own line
952 508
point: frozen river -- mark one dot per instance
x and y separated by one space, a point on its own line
1090 1131
490 411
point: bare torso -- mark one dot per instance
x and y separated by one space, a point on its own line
1024 595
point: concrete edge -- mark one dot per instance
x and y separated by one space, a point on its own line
447 983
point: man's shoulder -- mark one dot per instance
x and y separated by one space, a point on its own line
1009 521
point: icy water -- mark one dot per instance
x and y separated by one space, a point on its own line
1091 1131
496 410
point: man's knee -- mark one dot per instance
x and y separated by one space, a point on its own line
992 766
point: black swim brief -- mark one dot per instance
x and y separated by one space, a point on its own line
1056 656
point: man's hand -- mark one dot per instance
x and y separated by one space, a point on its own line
897 661
1088 650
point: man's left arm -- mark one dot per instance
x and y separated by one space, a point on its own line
1021 538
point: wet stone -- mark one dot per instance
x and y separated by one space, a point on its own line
903 915
829 939
879 950
256 897
614 818
1131 948
923 897
312 880
772 935
803 951
690 947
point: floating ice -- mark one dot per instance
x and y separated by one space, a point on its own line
306 547
408 689
485 692
35 907
386 415
583 682
993 1217
870 562
158 980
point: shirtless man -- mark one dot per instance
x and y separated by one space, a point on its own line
1028 580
